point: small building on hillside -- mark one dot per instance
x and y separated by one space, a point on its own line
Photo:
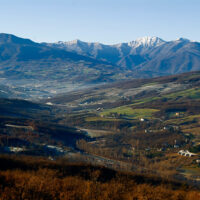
14 149
98 109
49 104
198 161
171 127
186 153
143 120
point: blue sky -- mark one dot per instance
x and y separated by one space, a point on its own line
106 21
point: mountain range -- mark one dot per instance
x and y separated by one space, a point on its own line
147 54
35 70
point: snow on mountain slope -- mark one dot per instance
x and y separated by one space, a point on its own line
146 42
140 53
63 66
111 53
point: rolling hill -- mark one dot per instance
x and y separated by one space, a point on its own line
136 125
145 122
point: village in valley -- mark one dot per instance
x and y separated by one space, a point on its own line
126 129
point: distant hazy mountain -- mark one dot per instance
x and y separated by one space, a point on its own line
174 57
114 54
41 70
147 56
31 69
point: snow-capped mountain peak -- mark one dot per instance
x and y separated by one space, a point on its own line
147 41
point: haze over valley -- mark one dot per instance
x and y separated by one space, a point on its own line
40 70
112 115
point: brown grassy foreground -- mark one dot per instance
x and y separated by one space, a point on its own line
28 178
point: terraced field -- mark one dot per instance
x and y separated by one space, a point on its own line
129 113
170 107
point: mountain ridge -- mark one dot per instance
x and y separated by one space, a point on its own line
44 69
130 55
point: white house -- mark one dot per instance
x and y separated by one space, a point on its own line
143 120
198 161
15 149
49 103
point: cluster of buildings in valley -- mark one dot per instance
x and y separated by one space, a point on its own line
189 154
186 153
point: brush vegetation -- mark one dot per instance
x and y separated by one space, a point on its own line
30 178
